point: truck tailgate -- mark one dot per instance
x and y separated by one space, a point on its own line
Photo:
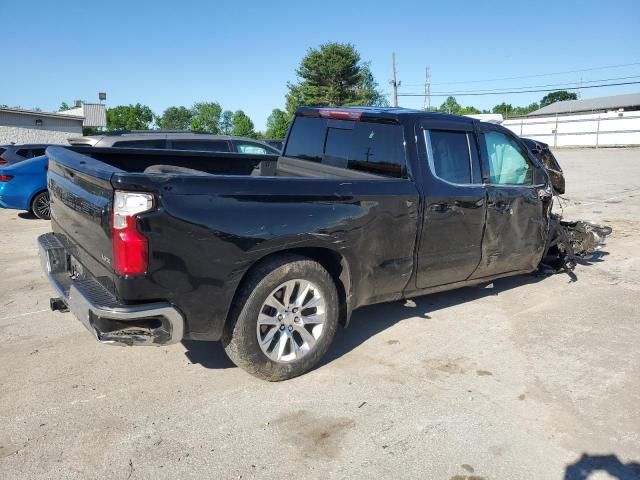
81 206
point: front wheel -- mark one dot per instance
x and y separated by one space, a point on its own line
285 320
40 206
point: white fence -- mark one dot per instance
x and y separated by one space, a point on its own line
580 130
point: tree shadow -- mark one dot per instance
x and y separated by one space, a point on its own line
588 464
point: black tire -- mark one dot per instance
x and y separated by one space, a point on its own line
240 339
40 206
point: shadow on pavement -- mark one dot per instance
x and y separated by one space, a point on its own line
611 464
207 354
368 321
28 216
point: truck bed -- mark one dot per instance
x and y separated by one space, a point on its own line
208 227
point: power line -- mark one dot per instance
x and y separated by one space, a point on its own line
453 94
564 84
529 76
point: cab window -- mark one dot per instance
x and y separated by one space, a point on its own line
507 162
371 147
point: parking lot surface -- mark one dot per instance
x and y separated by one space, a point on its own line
530 377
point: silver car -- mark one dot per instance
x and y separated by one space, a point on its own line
178 141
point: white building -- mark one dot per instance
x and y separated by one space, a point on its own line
591 122
31 126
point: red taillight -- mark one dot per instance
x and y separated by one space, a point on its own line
5 178
341 114
2 160
130 247
130 250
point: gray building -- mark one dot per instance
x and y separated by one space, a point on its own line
626 102
31 126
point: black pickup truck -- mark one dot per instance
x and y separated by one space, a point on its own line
269 254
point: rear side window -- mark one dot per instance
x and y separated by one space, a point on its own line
24 152
37 152
151 143
2 150
201 145
370 147
449 155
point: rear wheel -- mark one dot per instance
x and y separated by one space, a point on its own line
40 205
286 319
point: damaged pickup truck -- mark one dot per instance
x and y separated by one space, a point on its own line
269 254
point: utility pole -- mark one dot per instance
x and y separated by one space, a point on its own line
580 89
394 83
427 89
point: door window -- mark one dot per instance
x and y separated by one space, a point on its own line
449 155
508 165
201 145
157 143
252 148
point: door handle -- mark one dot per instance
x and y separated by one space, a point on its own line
440 207
446 207
500 206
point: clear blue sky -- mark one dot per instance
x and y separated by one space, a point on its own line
242 54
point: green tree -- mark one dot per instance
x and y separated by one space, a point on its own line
332 75
129 117
64 106
175 118
242 125
368 88
505 109
206 117
226 122
450 105
277 124
468 110
519 111
558 96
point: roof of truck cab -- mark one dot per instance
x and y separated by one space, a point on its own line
395 113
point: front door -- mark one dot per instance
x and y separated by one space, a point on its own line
517 220
450 243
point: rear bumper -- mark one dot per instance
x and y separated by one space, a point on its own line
109 320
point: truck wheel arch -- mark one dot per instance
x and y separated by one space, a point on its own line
332 261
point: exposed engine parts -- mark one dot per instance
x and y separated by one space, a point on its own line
570 241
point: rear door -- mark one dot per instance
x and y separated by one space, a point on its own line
454 210
516 225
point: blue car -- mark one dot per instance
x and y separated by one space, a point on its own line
23 186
